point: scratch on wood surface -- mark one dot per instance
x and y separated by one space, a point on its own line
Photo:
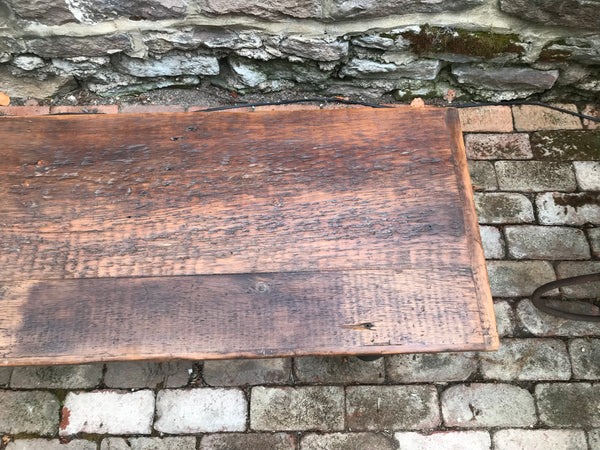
360 326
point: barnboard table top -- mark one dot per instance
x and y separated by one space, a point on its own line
238 234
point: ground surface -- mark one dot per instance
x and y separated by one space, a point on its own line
536 174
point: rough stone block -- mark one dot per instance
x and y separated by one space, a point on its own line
535 176
566 145
493 244
203 410
483 176
569 404
339 369
541 324
518 278
505 78
346 9
31 412
318 49
346 441
527 359
505 318
570 13
488 405
82 376
72 46
56 12
502 207
170 65
230 441
48 444
147 374
303 408
240 372
28 63
534 118
496 119
5 374
557 208
431 367
149 443
585 358
422 69
539 242
107 412
593 111
24 87
539 439
573 269
498 146
447 440
588 175
594 238
302 9
372 408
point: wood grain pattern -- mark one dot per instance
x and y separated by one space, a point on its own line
141 236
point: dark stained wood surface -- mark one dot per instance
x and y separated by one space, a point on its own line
214 235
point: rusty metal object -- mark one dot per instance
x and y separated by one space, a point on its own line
543 303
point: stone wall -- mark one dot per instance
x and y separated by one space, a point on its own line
482 49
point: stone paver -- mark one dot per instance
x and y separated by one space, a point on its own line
370 408
107 412
566 145
585 358
498 146
149 443
503 207
544 242
535 176
533 118
339 369
82 376
446 440
588 175
241 441
31 412
303 408
594 238
493 243
147 374
594 439
557 208
242 372
516 439
505 318
518 278
428 367
541 324
5 374
51 444
496 119
346 441
527 359
488 405
483 176
569 404
574 268
202 410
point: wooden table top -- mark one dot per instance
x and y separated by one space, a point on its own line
238 234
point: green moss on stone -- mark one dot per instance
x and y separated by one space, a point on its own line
483 44
554 55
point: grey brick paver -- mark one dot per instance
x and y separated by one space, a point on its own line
339 369
541 324
302 408
429 367
147 374
505 318
535 176
149 443
31 412
498 146
51 444
567 405
446 440
346 441
588 175
549 243
241 441
558 208
483 176
482 405
493 243
585 358
539 440
83 376
575 268
503 207
518 278
240 372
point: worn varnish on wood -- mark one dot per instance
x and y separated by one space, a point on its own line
227 234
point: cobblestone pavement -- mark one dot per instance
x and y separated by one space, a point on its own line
536 174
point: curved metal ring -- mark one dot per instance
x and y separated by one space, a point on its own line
542 305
